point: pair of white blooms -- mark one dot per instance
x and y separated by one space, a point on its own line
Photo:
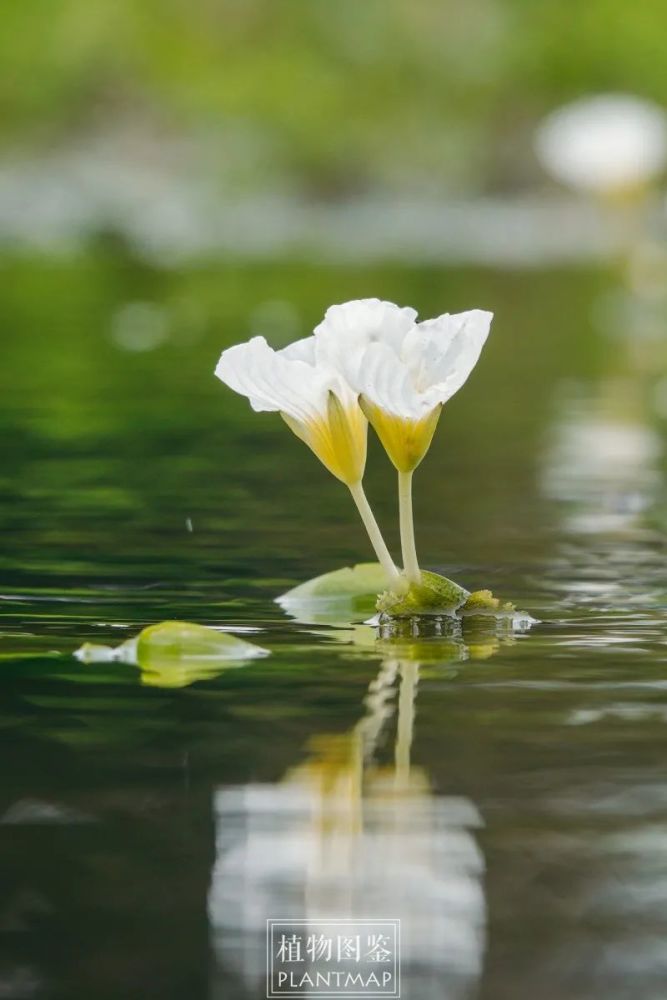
368 361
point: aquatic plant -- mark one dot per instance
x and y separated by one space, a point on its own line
368 361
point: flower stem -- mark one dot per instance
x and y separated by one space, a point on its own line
377 541
408 547
406 720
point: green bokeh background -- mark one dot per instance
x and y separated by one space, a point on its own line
325 97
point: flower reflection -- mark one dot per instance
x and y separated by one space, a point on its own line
351 832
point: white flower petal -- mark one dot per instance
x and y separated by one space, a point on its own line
300 350
385 381
404 372
442 352
347 329
273 382
305 350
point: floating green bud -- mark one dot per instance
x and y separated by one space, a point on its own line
185 640
175 654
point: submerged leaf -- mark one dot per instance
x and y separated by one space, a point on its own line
434 595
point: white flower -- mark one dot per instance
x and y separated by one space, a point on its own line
319 406
367 357
403 371
315 402
348 329
606 143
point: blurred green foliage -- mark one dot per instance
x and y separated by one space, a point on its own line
330 96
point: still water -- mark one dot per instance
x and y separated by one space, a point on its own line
501 792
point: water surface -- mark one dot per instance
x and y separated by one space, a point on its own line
502 793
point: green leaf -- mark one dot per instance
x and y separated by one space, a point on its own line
337 597
347 584
435 595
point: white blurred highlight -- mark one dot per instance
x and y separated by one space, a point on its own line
606 143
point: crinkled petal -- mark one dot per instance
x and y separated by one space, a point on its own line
442 352
274 382
349 328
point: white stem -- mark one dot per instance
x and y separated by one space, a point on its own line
408 547
375 535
